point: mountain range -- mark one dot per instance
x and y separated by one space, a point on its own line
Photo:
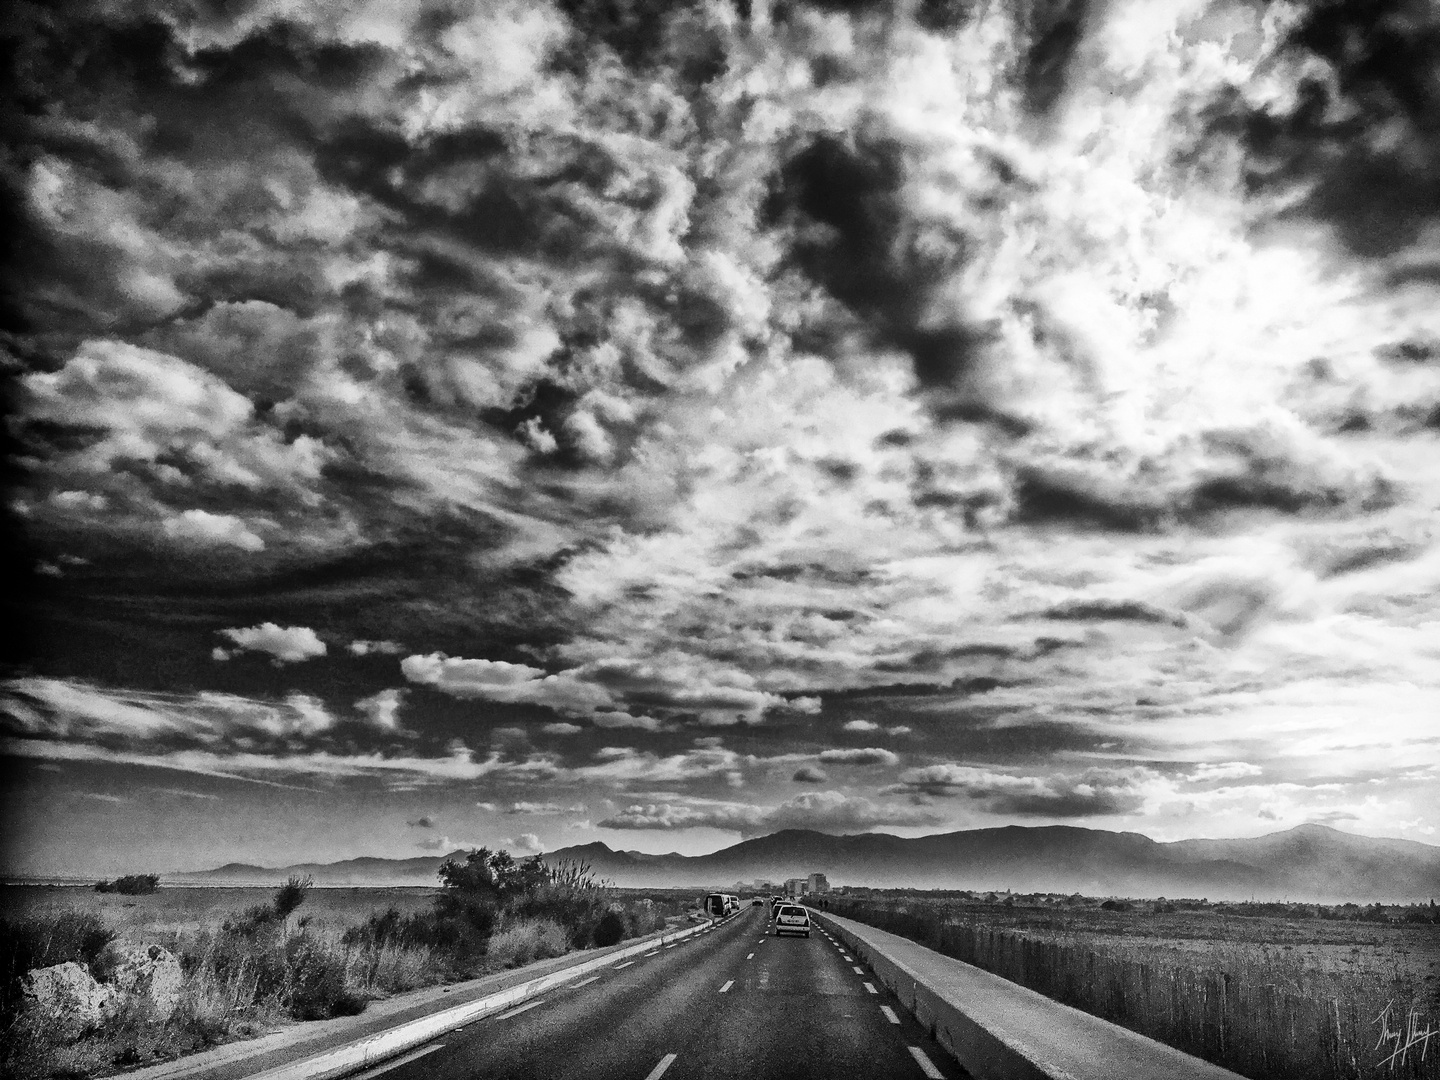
1312 863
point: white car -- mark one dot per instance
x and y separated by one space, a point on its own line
790 919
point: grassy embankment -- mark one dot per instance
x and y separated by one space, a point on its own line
304 954
1272 998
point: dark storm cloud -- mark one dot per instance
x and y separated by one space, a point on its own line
1056 31
1117 610
856 234
1359 142
424 822
810 774
869 755
1093 793
825 811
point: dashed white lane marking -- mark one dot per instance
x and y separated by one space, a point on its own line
871 988
400 1061
727 986
669 1059
926 1065
626 964
889 1014
858 970
750 956
650 954
672 945
847 959
519 1009
583 982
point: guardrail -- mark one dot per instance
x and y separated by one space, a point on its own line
999 1030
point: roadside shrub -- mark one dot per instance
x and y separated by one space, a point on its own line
525 940
391 968
642 917
290 896
130 885
609 929
315 981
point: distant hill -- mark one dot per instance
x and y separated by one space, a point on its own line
1312 863
366 870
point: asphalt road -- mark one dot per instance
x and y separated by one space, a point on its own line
735 1001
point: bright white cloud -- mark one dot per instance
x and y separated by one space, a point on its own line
287 644
382 708
206 528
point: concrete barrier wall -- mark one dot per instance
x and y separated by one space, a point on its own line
999 1030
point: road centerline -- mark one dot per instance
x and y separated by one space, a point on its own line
926 1065
520 1009
398 1062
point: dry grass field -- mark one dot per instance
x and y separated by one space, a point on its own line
172 910
1271 998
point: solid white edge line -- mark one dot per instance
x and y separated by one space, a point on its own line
926 1065
626 964
889 1014
871 987
395 1064
669 1059
520 1008
727 986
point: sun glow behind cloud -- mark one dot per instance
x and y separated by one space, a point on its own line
735 401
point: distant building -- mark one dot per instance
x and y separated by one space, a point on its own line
795 886
817 884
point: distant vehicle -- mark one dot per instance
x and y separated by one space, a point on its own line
732 904
790 919
756 902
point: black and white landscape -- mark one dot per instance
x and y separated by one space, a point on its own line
980 445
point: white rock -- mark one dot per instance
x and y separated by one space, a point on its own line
150 973
67 995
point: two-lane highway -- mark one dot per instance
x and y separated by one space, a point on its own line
731 1002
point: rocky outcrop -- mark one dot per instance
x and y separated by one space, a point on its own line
149 974
68 996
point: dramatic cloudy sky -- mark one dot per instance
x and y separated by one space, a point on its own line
442 422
